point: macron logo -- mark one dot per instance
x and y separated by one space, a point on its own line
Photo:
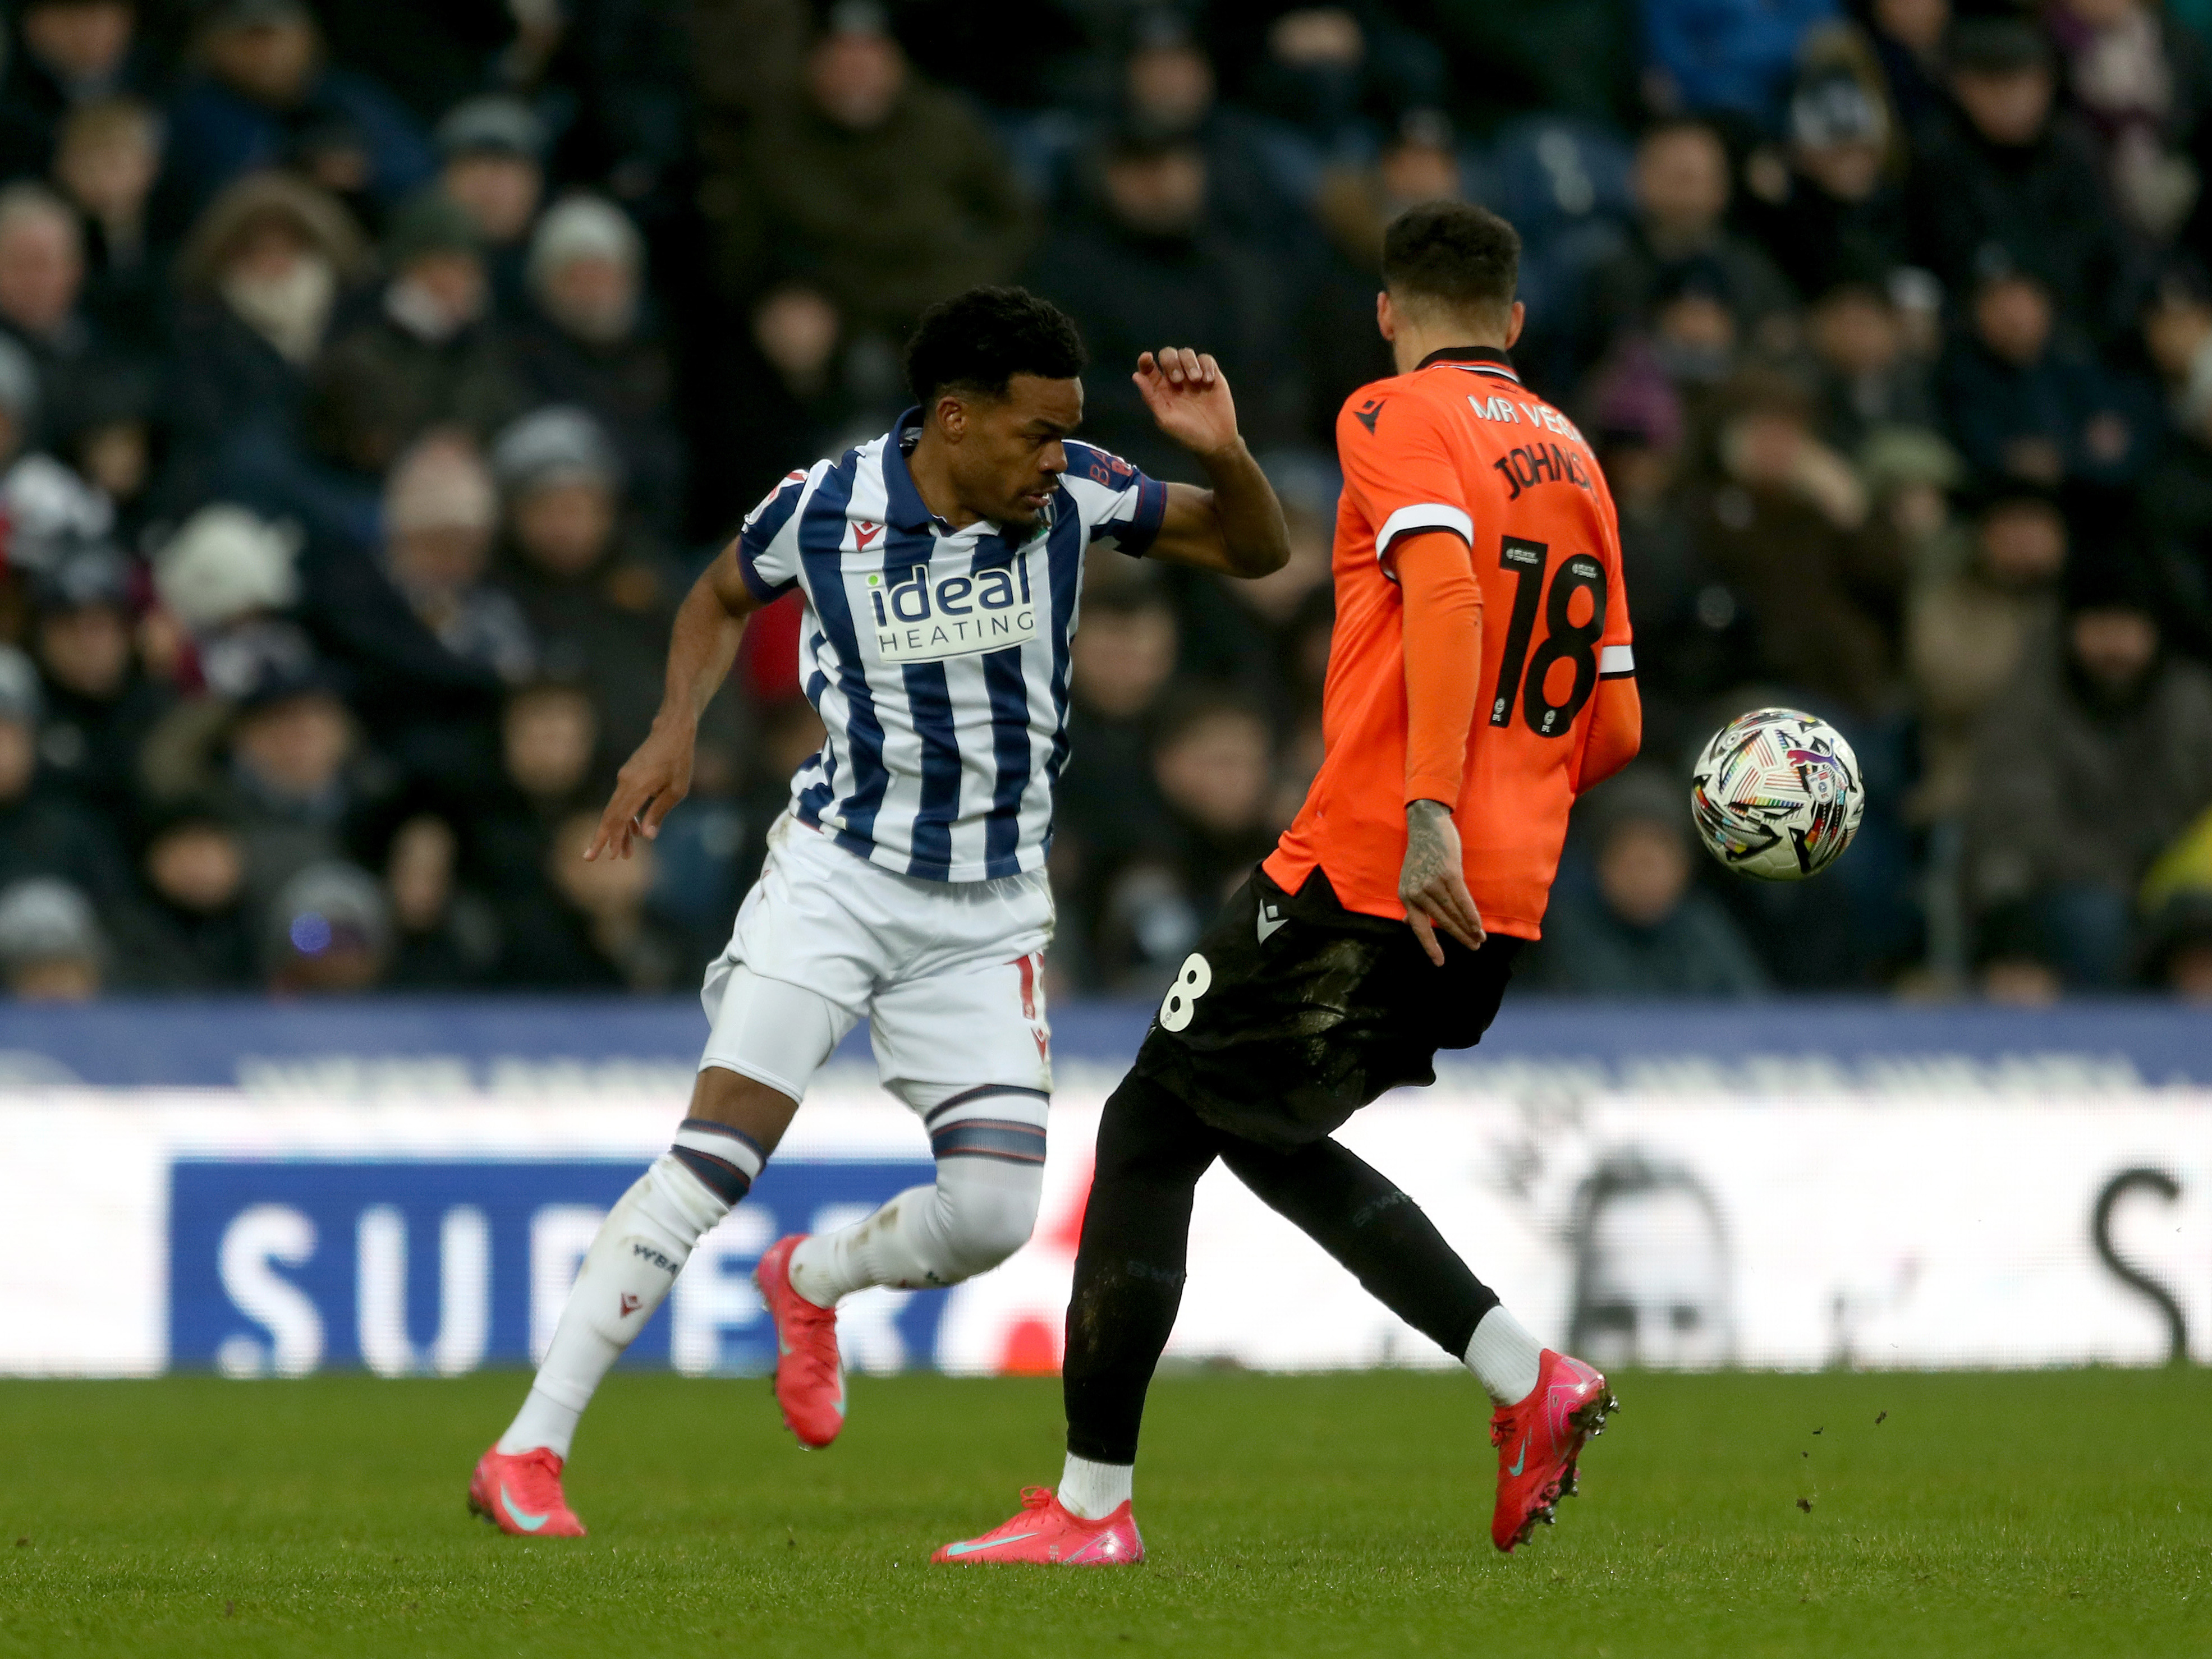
1271 919
863 533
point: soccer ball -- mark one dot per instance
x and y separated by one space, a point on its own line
1776 794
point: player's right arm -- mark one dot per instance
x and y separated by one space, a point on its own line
709 625
1442 627
1400 468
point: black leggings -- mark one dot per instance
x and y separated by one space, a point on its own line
1136 1241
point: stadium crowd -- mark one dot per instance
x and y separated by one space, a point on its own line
373 378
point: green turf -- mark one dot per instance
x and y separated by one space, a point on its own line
2055 1513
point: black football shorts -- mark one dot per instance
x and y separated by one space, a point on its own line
1294 1013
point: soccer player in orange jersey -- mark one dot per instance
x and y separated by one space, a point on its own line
1480 677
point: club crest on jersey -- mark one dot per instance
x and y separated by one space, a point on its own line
924 615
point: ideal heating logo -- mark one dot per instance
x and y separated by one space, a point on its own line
923 615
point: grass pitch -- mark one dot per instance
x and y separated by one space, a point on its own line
2062 1513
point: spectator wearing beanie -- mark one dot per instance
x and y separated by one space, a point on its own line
326 932
51 948
2027 395
431 354
888 186
430 643
1969 632
188 927
1836 213
590 341
2112 716
265 92
597 597
491 155
44 831
441 515
101 703
2005 170
1640 926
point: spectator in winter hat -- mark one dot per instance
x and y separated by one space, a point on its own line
1835 211
51 946
1642 927
101 704
268 84
44 829
493 166
432 355
227 564
442 512
598 596
189 926
328 932
2003 171
2113 716
590 342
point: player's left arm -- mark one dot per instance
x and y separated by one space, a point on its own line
1616 711
1236 526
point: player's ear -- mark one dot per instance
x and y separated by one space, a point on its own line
1386 319
1513 327
952 417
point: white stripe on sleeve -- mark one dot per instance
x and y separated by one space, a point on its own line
1615 660
1422 515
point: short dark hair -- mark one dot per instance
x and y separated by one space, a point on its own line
1455 254
980 340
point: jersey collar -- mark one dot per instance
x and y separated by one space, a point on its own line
1488 357
903 502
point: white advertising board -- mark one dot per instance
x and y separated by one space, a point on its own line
428 1225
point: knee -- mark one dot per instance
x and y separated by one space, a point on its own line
987 1220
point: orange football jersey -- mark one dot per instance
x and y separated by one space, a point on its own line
1460 444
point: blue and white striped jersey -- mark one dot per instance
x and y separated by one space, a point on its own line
936 658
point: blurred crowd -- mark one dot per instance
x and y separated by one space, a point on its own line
373 380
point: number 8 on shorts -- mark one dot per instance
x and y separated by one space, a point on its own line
1193 980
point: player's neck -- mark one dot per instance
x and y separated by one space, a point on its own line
930 468
1414 344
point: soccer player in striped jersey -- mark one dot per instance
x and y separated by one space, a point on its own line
1480 676
941 567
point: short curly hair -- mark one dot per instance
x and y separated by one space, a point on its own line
979 341
1455 254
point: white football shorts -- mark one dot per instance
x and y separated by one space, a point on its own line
949 974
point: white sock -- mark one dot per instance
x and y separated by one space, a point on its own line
990 1176
641 1248
1091 1491
1504 1358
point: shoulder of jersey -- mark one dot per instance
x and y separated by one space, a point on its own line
1366 404
1100 467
